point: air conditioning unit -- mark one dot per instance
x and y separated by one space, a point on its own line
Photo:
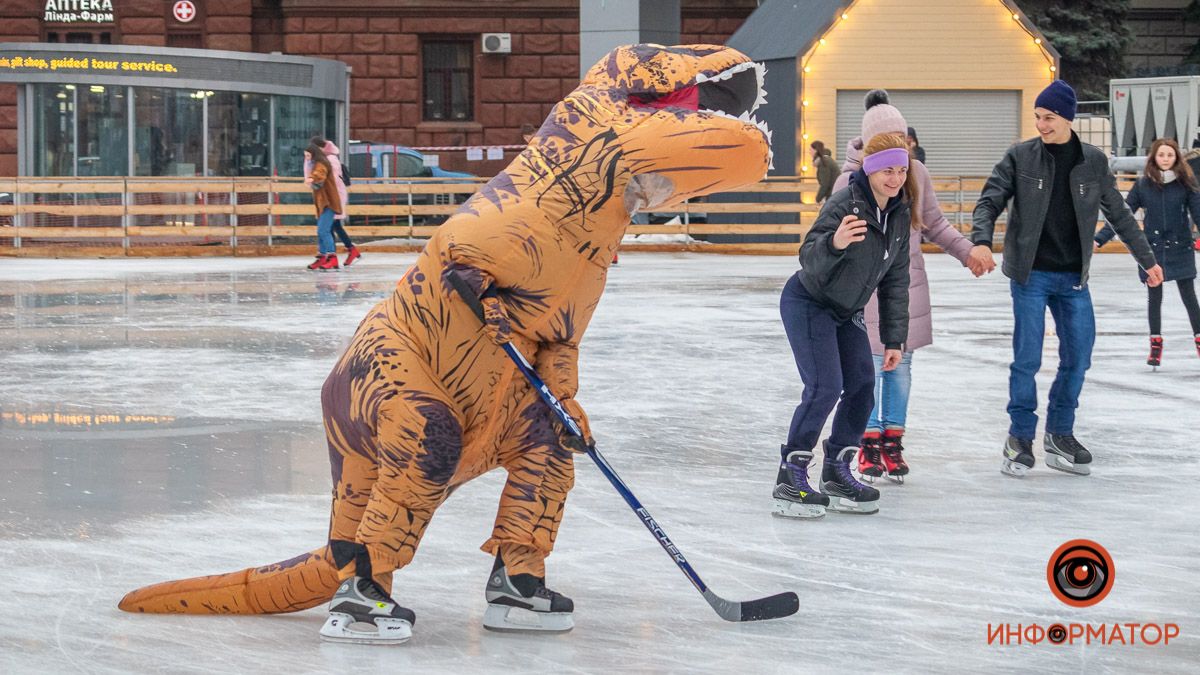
497 43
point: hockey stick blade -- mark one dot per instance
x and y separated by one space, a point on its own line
763 609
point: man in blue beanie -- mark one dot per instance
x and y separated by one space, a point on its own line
1057 185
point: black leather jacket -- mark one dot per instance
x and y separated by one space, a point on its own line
1025 176
843 281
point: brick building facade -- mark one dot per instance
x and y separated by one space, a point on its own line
382 41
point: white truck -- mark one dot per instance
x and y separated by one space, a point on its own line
1146 108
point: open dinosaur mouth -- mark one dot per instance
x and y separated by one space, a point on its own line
735 92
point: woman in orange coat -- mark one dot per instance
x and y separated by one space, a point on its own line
328 204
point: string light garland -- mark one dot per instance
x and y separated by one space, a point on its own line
1014 12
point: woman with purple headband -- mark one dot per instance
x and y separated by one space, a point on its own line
858 243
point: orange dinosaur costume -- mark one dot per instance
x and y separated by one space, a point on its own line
424 400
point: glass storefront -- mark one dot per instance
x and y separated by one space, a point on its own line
84 130
239 134
102 131
54 130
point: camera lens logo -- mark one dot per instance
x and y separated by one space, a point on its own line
1080 573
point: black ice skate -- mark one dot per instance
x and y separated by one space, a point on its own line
522 603
794 497
361 611
846 494
1066 454
1018 457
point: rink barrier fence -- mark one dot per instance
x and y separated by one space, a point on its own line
138 216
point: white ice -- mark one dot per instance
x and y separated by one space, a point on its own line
689 383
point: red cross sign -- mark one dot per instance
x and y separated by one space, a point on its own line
184 11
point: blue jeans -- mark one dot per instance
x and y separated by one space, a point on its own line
325 232
1071 306
834 359
891 394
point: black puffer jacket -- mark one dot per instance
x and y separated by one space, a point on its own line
1025 176
844 280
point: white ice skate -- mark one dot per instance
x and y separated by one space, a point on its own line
511 611
361 612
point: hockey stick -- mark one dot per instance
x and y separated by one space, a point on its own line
772 607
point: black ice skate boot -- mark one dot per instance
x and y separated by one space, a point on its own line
1066 454
522 603
1018 457
794 497
361 611
846 494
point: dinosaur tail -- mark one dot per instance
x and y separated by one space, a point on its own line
289 586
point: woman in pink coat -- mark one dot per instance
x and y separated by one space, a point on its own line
339 230
882 445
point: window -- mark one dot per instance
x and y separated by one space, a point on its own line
448 81
168 132
94 37
185 40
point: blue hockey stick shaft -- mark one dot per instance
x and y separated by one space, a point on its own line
772 607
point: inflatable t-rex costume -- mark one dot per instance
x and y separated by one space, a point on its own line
423 400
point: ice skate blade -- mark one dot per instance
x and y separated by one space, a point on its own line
843 505
1058 463
506 619
1014 469
897 478
787 509
341 627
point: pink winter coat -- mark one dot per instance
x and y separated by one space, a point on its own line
937 230
335 163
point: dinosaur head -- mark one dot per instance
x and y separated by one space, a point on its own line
683 119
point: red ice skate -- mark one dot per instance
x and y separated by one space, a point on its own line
352 256
869 464
1156 349
893 455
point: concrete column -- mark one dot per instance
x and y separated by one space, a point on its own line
605 24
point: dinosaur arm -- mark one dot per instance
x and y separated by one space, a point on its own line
558 365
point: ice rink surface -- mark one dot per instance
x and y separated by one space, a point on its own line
187 441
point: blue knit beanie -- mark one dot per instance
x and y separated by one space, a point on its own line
1058 98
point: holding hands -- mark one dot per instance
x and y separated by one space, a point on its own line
853 229
1154 276
980 260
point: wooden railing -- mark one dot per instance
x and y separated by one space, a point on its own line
115 216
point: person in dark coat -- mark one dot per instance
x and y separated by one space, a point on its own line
1168 192
858 243
1057 186
914 145
827 170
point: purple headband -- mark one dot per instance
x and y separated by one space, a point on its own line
885 159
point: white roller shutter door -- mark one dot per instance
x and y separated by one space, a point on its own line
964 133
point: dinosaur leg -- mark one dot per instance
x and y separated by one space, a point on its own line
419 444
540 474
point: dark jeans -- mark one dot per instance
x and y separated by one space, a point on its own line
834 358
1187 293
340 232
1071 306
